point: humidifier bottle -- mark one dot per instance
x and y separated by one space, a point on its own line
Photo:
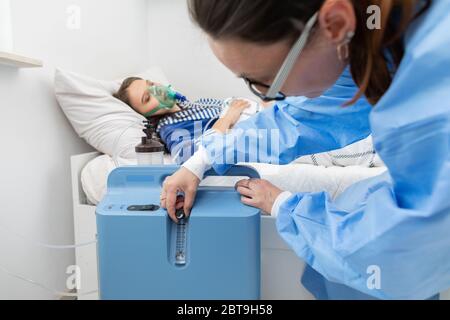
150 151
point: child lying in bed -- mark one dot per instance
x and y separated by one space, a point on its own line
172 124
315 176
204 114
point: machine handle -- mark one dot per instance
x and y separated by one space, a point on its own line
236 171
125 176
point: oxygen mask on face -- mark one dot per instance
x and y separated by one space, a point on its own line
166 96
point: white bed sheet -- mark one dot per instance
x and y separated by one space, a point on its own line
293 177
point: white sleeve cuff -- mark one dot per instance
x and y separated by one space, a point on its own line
199 163
279 201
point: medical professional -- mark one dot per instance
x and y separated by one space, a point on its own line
350 68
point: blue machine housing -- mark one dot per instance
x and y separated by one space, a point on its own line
136 255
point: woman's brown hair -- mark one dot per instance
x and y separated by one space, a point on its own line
269 21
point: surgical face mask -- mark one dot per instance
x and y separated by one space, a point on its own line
166 97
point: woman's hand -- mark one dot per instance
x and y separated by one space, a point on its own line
183 181
258 193
232 116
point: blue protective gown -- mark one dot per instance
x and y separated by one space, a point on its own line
397 224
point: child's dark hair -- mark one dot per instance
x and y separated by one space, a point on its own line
122 94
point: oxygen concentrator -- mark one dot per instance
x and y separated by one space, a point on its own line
143 254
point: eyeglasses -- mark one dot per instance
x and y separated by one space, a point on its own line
274 91
254 88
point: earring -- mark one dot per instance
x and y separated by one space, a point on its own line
343 49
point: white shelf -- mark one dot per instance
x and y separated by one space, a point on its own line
15 60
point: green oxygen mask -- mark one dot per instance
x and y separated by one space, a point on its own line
166 96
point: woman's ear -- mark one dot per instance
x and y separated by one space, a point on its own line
337 19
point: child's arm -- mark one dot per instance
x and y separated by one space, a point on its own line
231 117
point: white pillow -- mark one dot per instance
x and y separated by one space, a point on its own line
106 123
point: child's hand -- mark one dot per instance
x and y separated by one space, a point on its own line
235 111
258 193
232 116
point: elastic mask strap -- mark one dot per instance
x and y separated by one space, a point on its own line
151 113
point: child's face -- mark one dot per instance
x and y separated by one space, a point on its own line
141 100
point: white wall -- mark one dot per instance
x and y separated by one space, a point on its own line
116 38
182 50
35 137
